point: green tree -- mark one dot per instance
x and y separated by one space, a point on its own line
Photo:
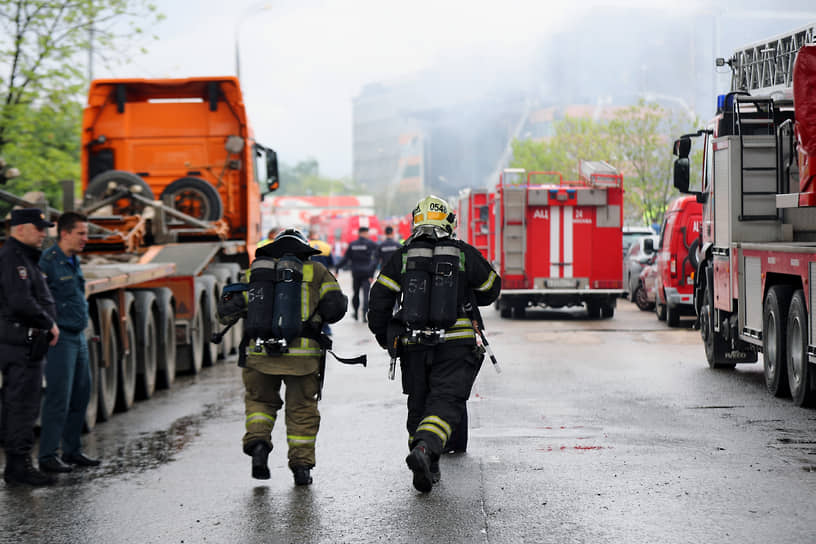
637 141
42 48
304 178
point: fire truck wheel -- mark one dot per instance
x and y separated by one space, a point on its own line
519 308
195 197
505 310
672 315
607 310
660 309
774 325
641 299
593 309
801 376
106 183
715 346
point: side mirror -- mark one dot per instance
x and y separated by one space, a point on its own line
648 246
234 144
682 147
681 175
272 179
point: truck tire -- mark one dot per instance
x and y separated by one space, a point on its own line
801 376
672 315
166 338
210 321
99 188
607 310
505 310
715 346
774 339
190 357
195 197
108 329
593 309
519 308
223 277
660 309
128 363
146 343
93 362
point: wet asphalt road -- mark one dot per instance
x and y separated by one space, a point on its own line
606 431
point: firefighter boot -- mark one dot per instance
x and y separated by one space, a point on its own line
302 476
419 461
20 470
260 452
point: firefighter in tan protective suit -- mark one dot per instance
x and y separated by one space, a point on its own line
286 301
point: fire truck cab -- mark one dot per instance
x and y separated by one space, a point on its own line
756 280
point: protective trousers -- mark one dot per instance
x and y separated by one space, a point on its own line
22 391
360 283
67 391
262 402
438 381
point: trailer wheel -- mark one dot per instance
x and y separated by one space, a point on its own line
774 342
237 330
190 357
109 362
146 343
801 377
195 197
93 362
166 338
641 300
223 278
106 183
210 295
715 346
127 372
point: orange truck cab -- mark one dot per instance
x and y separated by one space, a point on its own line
677 259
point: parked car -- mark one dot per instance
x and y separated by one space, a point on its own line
635 259
677 259
644 296
630 235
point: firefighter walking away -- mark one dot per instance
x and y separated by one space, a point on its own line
436 343
286 302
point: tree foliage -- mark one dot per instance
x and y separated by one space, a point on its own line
637 140
43 54
304 178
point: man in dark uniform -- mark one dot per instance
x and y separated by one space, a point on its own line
27 327
438 365
362 254
67 369
387 246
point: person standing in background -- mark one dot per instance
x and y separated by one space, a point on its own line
67 368
362 254
387 247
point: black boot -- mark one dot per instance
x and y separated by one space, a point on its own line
20 470
302 476
419 461
260 454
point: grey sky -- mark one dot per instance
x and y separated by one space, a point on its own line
302 62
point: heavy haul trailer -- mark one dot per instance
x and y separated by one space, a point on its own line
560 243
171 170
755 286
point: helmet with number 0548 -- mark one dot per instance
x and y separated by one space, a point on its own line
433 211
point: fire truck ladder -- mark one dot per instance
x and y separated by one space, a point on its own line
762 166
767 66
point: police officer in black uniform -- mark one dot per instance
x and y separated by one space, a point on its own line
362 254
27 327
387 247
438 281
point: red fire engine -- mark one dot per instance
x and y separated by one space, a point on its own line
473 218
559 243
756 278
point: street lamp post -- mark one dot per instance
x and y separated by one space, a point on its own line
244 16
